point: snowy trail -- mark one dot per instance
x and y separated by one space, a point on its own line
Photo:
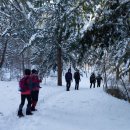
89 113
86 109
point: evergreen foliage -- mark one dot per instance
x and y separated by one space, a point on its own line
48 33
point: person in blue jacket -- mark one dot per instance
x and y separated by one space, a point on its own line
68 78
77 79
92 80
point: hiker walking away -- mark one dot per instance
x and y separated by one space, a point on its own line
68 78
77 79
98 78
35 84
25 89
92 80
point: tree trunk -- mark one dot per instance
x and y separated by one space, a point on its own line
105 73
117 73
28 59
129 75
59 64
23 66
105 77
3 54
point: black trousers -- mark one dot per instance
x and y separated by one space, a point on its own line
76 85
68 84
98 84
34 95
23 97
92 83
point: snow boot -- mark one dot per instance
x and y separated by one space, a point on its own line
20 114
29 113
33 109
33 106
28 110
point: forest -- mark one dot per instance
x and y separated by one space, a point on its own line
54 34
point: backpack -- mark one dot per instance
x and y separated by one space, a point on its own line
23 84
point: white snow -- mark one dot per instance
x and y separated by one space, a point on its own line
6 30
32 39
83 109
30 5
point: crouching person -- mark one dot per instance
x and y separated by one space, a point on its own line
35 83
25 89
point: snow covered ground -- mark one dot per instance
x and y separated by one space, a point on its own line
83 109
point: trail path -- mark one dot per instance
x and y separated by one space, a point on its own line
85 109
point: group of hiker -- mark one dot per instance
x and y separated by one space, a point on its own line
93 80
69 79
29 88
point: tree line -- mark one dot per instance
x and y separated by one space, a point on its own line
48 33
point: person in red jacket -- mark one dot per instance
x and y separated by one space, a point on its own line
35 88
25 89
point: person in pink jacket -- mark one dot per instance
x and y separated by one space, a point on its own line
35 88
25 88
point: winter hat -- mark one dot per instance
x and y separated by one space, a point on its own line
34 71
27 71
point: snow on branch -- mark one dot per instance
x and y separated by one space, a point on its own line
30 5
21 10
92 19
18 9
76 7
5 14
33 37
6 31
31 43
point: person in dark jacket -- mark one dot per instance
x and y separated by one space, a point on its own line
25 90
92 80
68 78
98 78
35 84
77 79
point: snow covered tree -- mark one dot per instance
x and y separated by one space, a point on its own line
60 33
4 32
110 30
16 26
105 42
